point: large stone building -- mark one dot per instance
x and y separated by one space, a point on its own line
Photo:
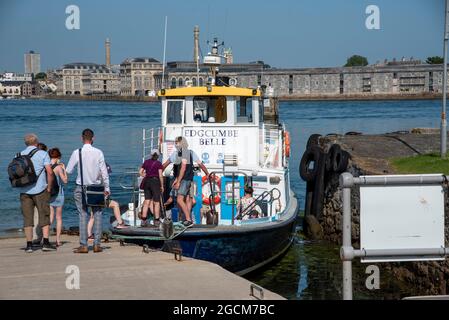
389 78
31 89
87 79
137 76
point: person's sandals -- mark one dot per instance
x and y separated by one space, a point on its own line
157 223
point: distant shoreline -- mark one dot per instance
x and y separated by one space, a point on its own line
292 98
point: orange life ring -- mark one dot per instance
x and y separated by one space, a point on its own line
287 143
205 182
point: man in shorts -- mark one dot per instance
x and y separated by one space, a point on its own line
183 160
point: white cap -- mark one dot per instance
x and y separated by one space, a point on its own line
155 151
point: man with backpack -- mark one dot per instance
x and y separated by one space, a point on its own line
30 172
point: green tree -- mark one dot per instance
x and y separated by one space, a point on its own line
435 60
40 76
356 61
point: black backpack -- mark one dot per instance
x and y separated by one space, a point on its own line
55 186
21 170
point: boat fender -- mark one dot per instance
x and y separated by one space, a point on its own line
287 144
205 182
312 155
166 228
314 140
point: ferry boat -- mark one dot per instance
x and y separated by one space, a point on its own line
237 134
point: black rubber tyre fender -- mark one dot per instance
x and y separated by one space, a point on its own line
334 158
343 163
318 192
310 186
313 140
328 165
312 154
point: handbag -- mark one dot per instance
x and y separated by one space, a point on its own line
93 196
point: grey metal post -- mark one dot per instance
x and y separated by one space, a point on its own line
443 114
346 182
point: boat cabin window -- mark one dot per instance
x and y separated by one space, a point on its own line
209 110
244 110
175 110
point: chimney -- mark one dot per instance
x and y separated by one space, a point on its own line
196 44
108 53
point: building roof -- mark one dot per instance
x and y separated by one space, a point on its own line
12 83
84 65
140 60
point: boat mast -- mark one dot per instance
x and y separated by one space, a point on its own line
213 60
165 50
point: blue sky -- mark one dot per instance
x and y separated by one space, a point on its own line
283 33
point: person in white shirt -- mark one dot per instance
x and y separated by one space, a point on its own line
94 173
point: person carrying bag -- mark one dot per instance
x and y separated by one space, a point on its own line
93 195
92 188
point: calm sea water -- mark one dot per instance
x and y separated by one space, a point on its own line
309 270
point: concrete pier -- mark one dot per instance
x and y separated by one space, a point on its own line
117 273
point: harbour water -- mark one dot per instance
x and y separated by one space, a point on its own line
310 270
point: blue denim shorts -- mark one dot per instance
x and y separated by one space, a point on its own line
184 188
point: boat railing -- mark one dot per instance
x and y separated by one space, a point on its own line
151 140
272 195
129 181
259 199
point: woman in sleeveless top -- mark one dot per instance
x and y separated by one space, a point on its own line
57 202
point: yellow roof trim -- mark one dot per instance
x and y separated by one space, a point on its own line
203 91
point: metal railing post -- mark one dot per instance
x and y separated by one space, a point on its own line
346 182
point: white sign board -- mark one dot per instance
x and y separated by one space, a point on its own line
401 217
212 143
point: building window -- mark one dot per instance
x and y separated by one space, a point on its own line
187 81
180 82
194 81
173 82
201 82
